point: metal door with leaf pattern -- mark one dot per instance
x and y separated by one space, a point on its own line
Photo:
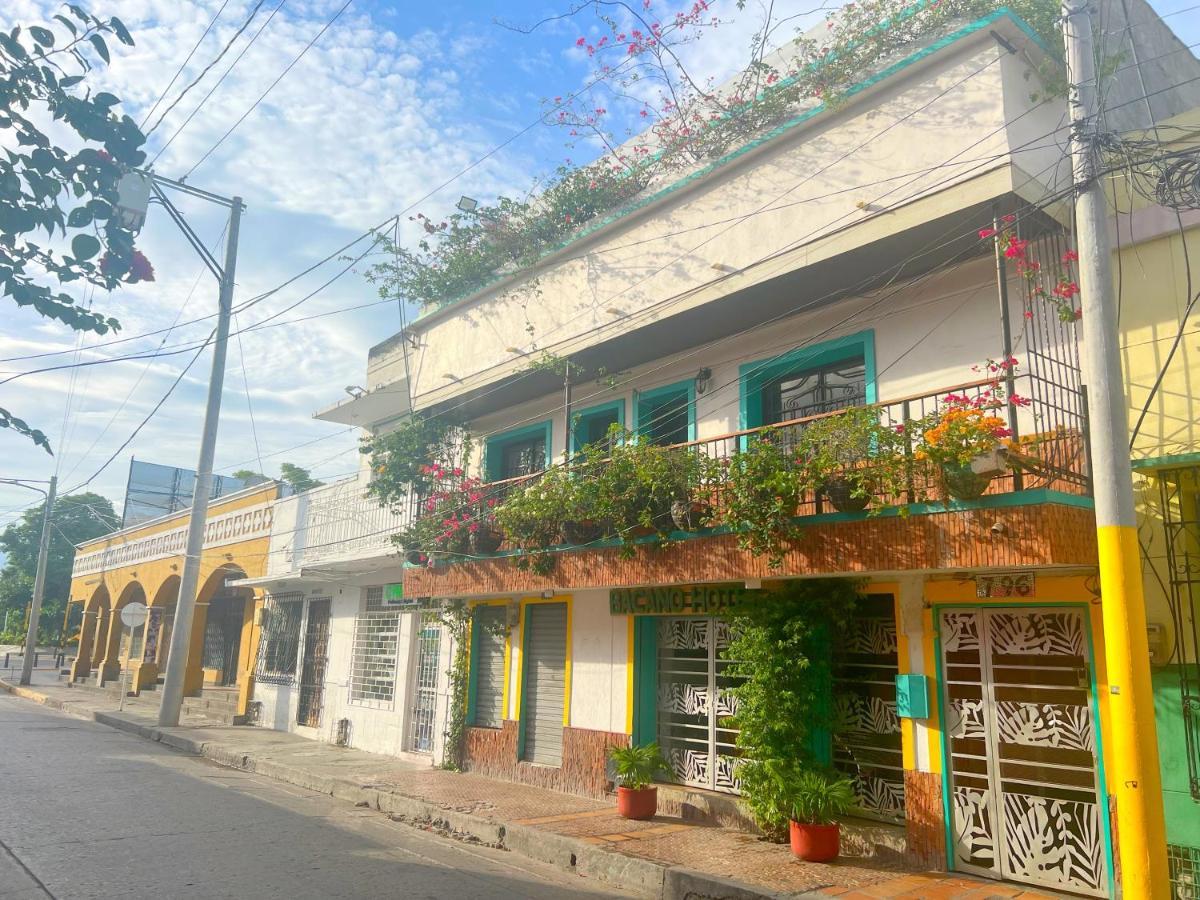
694 703
1026 800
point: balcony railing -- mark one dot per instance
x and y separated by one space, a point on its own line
1049 451
339 521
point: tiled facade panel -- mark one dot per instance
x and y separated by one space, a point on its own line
1035 535
493 752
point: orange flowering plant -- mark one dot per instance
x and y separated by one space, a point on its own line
965 429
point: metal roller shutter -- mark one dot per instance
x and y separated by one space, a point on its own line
545 682
489 666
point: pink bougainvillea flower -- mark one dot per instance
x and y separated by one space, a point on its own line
581 42
985 233
1070 256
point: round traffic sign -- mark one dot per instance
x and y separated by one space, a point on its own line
133 614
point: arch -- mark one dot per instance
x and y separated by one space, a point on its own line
164 600
95 610
218 650
110 664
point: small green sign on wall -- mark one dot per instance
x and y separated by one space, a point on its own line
912 696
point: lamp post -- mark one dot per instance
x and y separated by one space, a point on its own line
39 579
138 189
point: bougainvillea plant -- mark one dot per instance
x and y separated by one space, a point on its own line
1058 287
680 121
965 426
58 187
456 507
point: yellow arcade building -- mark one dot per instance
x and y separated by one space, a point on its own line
144 563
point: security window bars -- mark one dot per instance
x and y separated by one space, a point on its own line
376 642
277 650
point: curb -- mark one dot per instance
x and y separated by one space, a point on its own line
643 877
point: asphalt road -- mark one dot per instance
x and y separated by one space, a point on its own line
86 811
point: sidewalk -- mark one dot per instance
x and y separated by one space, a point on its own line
665 857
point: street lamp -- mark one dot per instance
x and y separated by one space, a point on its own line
39 580
136 191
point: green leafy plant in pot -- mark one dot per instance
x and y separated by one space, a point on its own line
531 519
636 767
816 799
853 459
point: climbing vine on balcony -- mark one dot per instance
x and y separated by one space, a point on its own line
688 124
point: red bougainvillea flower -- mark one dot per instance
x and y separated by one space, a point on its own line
1009 219
1070 256
140 268
985 233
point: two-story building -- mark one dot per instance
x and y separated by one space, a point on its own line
844 258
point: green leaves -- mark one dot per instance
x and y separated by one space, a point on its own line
8 420
101 47
56 181
84 246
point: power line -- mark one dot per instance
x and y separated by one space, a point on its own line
195 81
270 87
212 90
182 66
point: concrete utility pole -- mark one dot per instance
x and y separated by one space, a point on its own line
1138 784
39 586
189 582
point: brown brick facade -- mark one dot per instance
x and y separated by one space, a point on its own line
1046 534
493 752
925 823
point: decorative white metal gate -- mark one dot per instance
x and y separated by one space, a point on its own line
1022 746
694 703
429 642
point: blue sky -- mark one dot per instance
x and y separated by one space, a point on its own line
394 99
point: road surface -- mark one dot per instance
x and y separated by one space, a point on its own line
90 812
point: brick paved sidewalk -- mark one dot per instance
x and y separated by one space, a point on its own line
554 826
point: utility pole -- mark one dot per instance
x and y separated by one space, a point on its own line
168 713
39 586
1138 784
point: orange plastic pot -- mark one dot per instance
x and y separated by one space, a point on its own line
814 843
640 803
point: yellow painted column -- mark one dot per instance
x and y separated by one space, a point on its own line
82 667
193 678
110 661
1137 784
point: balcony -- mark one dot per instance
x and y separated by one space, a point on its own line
339 523
1035 511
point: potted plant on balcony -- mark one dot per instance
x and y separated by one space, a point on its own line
636 485
636 768
582 516
965 443
816 798
853 459
531 519
762 494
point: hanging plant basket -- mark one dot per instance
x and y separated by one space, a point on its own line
840 492
581 532
963 482
691 515
486 540
415 557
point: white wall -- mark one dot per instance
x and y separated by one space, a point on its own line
809 184
927 335
599 651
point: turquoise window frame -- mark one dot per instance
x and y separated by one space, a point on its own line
577 419
687 386
753 376
493 454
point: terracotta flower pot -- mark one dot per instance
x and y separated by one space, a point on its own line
639 803
814 843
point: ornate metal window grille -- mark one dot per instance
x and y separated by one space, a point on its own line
373 659
429 642
280 644
1180 496
815 391
1183 866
